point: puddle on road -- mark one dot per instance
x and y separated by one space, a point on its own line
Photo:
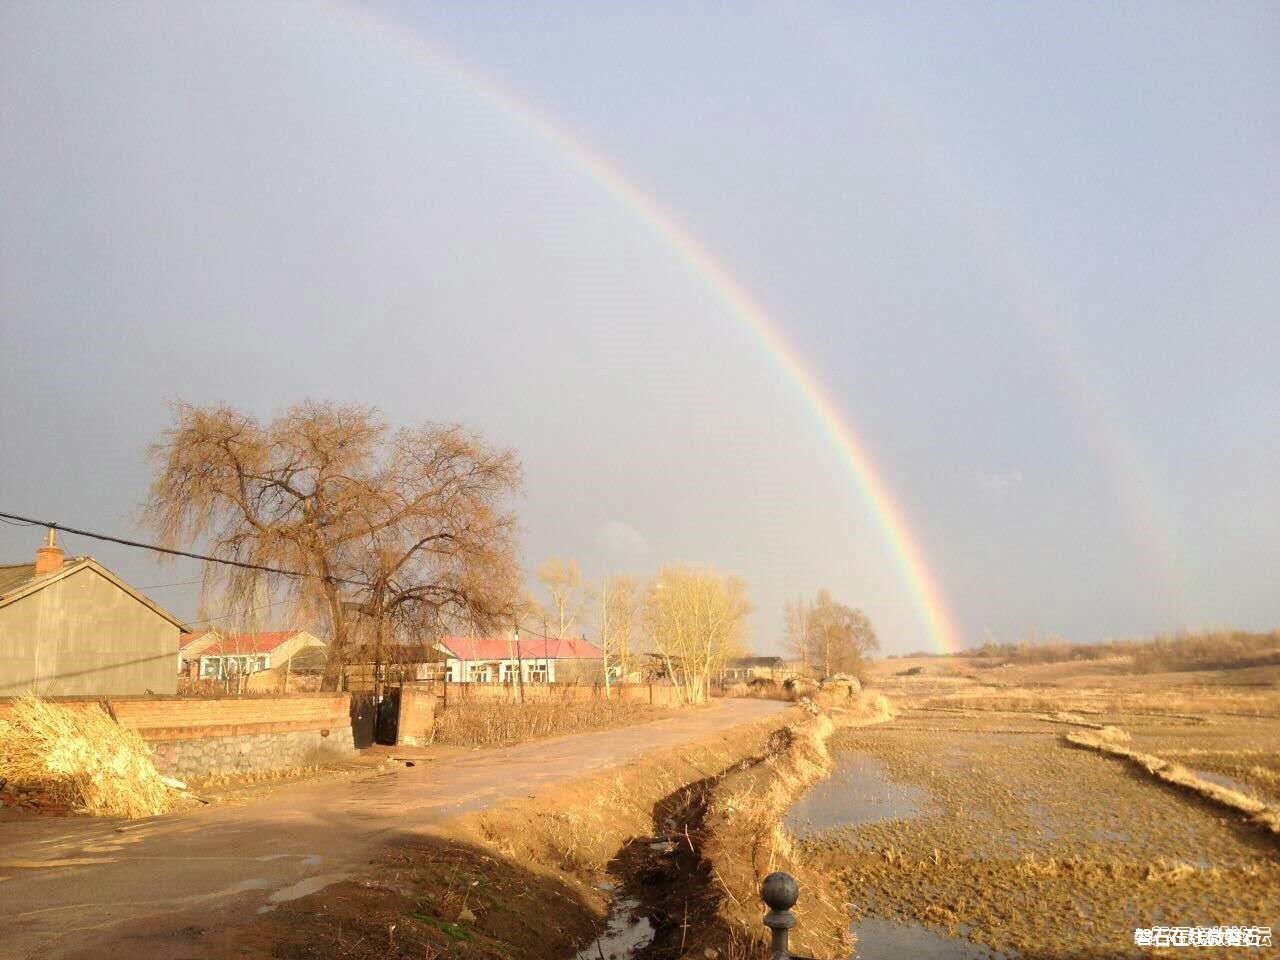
301 889
624 934
888 940
857 792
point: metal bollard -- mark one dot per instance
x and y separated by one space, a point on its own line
780 892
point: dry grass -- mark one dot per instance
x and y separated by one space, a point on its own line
491 723
81 757
1194 703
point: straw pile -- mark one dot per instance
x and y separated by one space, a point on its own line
82 758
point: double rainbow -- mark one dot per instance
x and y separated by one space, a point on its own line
927 594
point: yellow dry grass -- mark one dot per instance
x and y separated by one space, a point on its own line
81 757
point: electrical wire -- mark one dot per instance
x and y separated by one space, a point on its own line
14 519
178 553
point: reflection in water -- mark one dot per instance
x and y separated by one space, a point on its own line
886 940
856 792
623 935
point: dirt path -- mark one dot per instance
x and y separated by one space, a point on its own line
64 883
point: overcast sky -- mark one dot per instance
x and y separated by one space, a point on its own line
1032 251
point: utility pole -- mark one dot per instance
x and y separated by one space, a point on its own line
604 632
519 663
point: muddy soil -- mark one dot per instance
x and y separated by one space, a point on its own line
424 897
1030 847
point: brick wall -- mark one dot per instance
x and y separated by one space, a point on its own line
195 737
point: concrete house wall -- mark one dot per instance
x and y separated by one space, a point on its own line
85 635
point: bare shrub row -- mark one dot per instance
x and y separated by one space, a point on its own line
488 723
1209 650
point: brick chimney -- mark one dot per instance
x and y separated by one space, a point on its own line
49 557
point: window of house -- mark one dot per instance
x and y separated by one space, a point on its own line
478 672
210 668
538 673
508 673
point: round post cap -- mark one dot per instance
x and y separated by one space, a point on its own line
780 891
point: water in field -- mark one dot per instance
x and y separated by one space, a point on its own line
887 940
857 792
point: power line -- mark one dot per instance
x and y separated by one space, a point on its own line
30 521
177 553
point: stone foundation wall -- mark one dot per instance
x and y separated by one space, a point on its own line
197 737
251 753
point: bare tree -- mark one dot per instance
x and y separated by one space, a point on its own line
617 613
397 533
796 612
839 636
696 620
623 605
563 582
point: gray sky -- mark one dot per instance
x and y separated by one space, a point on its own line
1030 250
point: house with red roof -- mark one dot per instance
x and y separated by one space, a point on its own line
510 658
211 655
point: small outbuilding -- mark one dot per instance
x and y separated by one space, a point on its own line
71 627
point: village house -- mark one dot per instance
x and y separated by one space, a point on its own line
742 669
502 659
71 627
211 655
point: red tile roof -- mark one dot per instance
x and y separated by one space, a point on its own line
186 639
531 648
238 643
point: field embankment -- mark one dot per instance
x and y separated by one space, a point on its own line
1107 741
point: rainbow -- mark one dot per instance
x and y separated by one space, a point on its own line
923 585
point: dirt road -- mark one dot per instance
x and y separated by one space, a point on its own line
64 883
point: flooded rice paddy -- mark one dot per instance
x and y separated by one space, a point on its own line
995 839
857 792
